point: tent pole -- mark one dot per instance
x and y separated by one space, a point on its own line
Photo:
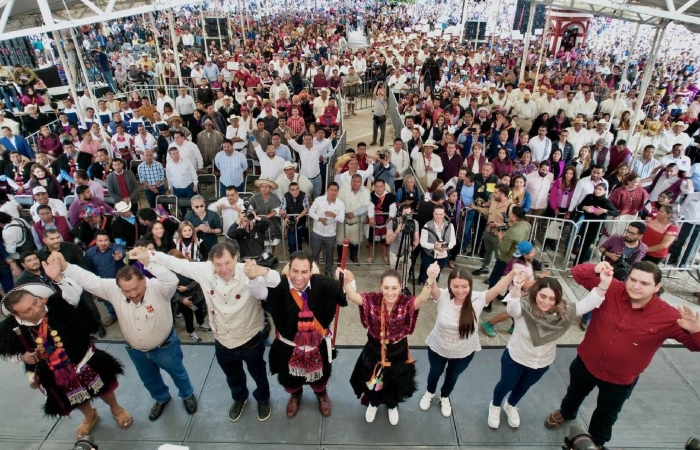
624 73
204 28
651 62
71 81
543 49
175 51
526 43
88 85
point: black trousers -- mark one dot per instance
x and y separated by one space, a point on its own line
611 397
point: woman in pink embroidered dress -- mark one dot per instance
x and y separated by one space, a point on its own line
384 373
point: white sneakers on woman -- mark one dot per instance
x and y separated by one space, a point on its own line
511 413
394 415
513 416
445 406
371 413
494 416
426 401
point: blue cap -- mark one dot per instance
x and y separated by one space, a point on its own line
523 248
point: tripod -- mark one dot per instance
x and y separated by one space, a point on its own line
404 259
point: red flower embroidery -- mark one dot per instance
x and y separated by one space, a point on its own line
211 292
238 296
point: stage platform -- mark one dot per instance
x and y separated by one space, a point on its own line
662 413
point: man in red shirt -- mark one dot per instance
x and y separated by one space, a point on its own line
624 334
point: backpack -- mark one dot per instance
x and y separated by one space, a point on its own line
27 244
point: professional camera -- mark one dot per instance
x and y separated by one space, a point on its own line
85 443
692 444
505 220
408 223
382 154
249 214
578 440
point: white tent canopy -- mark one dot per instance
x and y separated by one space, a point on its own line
29 17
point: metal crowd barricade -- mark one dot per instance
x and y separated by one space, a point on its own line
362 94
689 242
33 139
338 151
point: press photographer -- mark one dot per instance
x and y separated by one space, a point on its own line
384 169
402 235
249 231
430 72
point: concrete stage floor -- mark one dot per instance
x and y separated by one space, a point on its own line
662 413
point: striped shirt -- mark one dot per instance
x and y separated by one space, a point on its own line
231 167
151 173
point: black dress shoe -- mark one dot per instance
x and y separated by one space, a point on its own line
191 404
480 271
354 259
157 409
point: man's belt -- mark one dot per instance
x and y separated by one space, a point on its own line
172 330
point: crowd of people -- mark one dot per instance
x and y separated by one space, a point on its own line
484 159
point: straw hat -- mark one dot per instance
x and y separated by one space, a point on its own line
654 128
683 125
262 181
430 143
173 119
579 121
289 165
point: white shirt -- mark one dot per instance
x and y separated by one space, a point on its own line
144 143
147 324
318 210
664 184
520 344
180 174
161 101
184 105
402 162
240 133
541 148
235 314
643 169
309 158
444 339
690 208
683 162
58 208
189 151
670 139
539 187
270 169
228 213
584 187
577 138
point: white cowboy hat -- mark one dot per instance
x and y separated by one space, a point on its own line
683 125
122 207
430 143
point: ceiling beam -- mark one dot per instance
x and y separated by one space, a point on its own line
97 10
685 7
6 14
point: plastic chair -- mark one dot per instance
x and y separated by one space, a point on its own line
68 200
250 179
204 181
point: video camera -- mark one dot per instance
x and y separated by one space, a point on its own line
249 214
408 224
85 443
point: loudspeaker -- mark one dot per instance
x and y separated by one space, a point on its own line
216 26
522 15
474 30
49 75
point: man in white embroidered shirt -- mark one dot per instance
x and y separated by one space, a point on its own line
326 212
235 317
146 321
310 157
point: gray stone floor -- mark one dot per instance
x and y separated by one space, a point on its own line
662 413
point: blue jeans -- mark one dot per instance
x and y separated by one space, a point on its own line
297 236
231 362
167 357
425 261
9 94
497 273
187 192
455 367
151 196
109 79
467 232
611 398
316 183
516 379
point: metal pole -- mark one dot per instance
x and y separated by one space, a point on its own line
240 12
69 76
545 45
89 86
496 27
624 72
651 62
204 28
476 38
176 53
526 43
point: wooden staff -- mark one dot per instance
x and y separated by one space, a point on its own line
341 278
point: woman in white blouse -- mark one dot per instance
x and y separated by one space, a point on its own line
541 319
455 336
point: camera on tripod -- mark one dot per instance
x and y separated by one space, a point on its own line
408 223
249 214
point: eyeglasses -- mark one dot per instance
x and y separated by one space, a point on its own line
197 206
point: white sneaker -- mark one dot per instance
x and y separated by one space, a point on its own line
445 406
195 337
394 415
494 416
371 413
513 416
426 401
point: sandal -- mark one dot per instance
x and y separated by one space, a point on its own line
86 427
123 419
369 260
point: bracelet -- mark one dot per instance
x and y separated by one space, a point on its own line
598 287
429 285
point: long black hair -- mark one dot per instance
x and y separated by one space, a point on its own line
467 317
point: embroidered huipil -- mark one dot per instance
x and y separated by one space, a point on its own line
401 321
